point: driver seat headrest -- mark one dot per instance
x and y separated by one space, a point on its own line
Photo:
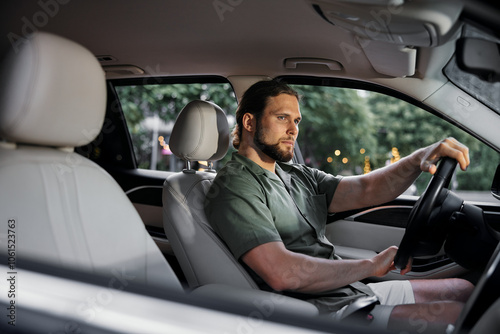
200 133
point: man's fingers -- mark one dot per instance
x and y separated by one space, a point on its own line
454 149
432 169
449 147
407 269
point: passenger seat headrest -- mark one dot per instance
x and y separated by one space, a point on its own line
200 133
52 93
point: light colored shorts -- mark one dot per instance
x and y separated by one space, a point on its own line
389 294
393 292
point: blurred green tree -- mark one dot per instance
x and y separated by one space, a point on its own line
336 125
407 127
143 102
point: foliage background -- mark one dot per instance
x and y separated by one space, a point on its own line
145 101
348 120
342 119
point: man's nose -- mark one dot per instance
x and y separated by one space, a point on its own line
293 129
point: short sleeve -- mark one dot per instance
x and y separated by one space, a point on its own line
326 183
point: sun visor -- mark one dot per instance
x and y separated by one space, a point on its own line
390 31
416 23
390 59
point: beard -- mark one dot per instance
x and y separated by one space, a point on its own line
271 150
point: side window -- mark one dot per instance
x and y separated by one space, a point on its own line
347 131
151 110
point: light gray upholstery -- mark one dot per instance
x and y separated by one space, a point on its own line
52 93
67 210
200 132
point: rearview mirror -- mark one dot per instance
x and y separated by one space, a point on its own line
495 186
480 57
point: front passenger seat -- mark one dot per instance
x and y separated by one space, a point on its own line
66 210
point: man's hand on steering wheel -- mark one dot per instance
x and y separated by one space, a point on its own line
449 147
383 262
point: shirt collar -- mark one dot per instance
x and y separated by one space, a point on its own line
281 168
250 164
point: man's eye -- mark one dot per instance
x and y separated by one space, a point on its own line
281 118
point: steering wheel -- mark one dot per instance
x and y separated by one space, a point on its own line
418 223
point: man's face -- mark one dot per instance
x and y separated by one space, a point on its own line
278 129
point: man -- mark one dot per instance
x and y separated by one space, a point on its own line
272 215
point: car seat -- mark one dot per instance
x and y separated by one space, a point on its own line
200 133
65 210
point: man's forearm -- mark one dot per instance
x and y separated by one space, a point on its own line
386 183
286 270
380 186
313 275
333 274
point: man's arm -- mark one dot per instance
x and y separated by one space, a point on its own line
285 270
385 184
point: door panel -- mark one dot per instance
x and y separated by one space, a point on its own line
354 234
369 232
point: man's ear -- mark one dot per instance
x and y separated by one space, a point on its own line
249 122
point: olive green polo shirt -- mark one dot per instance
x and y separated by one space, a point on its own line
248 206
